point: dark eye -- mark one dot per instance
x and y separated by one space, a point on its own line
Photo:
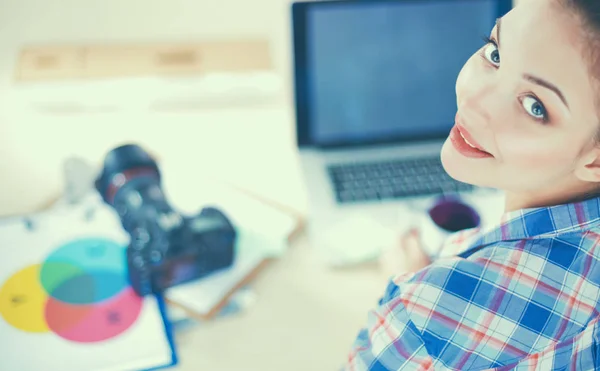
534 108
490 52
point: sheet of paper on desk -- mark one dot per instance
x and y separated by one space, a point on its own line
203 295
65 303
249 213
262 233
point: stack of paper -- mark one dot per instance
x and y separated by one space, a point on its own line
204 297
263 232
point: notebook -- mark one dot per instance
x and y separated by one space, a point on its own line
203 299
264 229
65 302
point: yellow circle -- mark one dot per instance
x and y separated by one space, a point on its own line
23 300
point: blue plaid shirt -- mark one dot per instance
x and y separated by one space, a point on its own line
521 296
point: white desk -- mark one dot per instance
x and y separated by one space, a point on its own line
306 316
252 147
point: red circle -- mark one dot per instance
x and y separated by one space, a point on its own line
87 323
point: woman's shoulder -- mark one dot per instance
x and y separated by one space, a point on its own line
523 287
562 267
457 242
504 297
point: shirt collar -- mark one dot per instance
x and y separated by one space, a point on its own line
543 222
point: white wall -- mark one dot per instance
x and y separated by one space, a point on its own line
39 21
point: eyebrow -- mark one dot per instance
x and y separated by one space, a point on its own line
534 79
547 85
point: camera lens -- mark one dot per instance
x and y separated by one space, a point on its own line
119 162
165 247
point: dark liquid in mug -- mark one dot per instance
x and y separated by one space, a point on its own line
454 216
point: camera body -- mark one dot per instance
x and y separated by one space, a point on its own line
166 248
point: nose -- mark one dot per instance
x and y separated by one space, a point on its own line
477 93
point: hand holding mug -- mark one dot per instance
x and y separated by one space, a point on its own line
407 256
421 243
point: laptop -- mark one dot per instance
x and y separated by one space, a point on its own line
374 85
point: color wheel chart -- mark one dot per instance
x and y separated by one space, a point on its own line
80 292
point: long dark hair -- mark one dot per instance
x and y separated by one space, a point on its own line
589 13
589 10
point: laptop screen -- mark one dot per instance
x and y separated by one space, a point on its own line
380 71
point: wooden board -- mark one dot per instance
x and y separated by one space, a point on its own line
60 62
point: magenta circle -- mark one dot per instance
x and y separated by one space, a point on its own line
90 323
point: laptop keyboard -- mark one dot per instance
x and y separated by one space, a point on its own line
394 179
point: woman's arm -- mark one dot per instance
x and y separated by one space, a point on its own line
432 318
407 256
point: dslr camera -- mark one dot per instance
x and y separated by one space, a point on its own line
166 248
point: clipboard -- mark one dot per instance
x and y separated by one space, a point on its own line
162 305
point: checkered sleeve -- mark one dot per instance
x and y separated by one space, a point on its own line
446 315
481 313
578 353
390 340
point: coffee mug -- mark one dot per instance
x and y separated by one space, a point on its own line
444 217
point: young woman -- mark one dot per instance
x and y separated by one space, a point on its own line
526 294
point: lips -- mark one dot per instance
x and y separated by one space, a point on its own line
464 142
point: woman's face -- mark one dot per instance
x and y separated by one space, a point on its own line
526 100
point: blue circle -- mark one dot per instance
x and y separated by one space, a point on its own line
85 271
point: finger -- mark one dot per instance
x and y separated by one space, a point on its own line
407 238
412 241
414 248
393 261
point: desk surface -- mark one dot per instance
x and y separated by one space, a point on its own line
306 315
306 318
252 147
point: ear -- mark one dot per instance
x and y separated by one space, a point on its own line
588 167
